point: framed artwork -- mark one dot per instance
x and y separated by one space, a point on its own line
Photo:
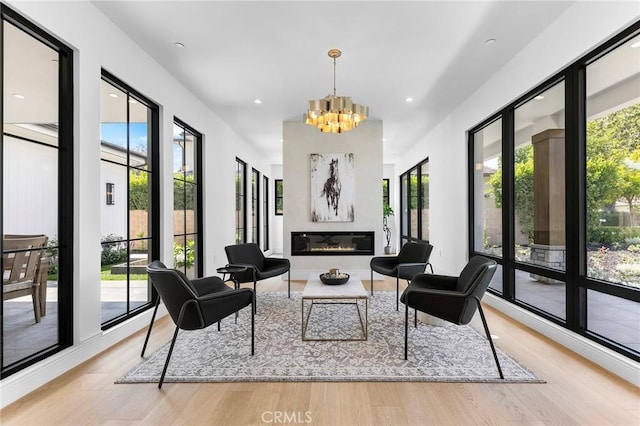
332 187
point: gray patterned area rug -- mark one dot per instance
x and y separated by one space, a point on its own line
436 353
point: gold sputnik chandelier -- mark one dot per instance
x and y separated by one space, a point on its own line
335 114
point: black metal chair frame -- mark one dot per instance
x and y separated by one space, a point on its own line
466 295
484 323
420 267
254 270
194 302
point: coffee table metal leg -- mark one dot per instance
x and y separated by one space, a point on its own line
305 323
365 325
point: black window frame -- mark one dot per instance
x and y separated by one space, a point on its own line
265 213
278 195
199 212
241 198
577 283
385 191
154 201
65 214
405 217
255 206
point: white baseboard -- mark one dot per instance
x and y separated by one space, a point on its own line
608 359
23 382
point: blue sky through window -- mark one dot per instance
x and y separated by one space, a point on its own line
116 134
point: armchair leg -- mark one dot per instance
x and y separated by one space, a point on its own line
173 341
153 317
397 293
430 267
35 296
371 282
486 330
255 305
252 330
166 364
415 318
289 284
406 328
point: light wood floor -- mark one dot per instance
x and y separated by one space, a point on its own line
577 392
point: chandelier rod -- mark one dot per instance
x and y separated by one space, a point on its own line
334 76
334 54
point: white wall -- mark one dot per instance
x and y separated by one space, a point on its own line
301 140
97 44
582 27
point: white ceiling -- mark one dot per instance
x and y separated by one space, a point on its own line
235 52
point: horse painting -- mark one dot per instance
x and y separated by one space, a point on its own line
332 188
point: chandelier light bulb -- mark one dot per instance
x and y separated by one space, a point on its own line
333 113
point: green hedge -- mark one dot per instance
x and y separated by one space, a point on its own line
612 235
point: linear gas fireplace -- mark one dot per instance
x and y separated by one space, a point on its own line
332 243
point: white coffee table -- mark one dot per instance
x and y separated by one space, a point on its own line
350 293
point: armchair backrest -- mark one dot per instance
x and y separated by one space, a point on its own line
248 253
414 252
474 280
175 289
22 265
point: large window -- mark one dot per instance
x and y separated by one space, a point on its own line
129 226
241 202
187 193
265 213
37 193
612 165
255 206
555 193
414 203
385 192
539 198
487 188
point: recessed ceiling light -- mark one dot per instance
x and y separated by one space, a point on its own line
257 101
635 45
113 95
384 139
178 44
539 98
18 95
490 41
409 99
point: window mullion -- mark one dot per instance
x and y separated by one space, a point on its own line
575 178
508 207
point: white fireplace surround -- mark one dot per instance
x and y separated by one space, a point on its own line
299 142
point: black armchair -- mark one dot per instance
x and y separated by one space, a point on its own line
412 259
194 304
258 267
453 299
